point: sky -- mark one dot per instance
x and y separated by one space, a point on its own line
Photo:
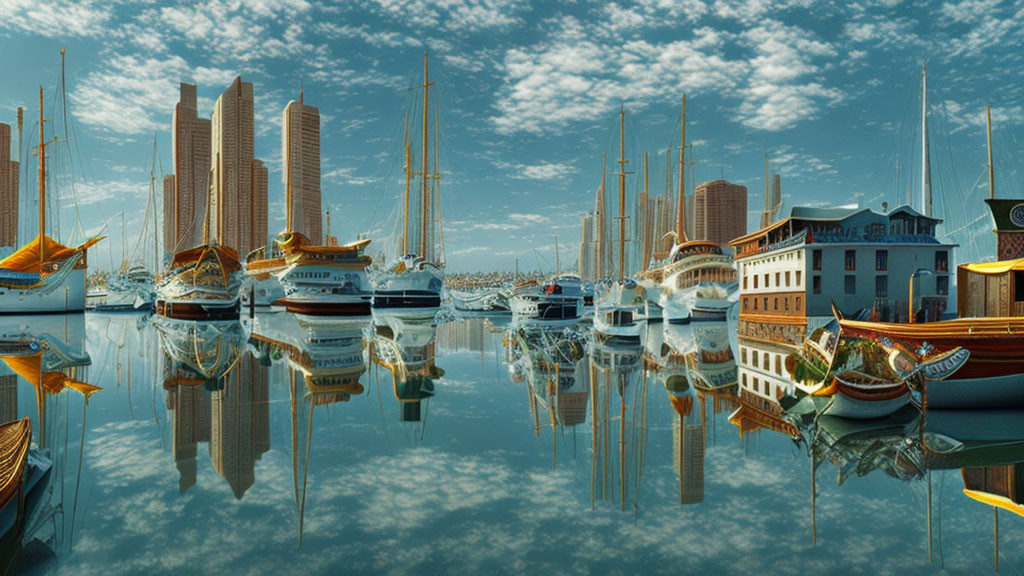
529 94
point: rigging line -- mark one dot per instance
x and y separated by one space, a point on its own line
64 112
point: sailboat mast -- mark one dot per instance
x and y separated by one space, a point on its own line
152 201
766 215
437 189
425 220
681 209
42 183
622 190
645 230
408 180
926 172
991 168
288 170
124 245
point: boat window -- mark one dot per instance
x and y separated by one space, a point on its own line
942 261
881 260
1018 286
851 259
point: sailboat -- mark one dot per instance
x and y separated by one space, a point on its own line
202 283
415 279
696 278
989 327
619 314
44 276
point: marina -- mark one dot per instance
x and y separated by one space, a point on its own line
307 359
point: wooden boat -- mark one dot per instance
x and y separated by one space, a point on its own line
202 283
990 324
44 276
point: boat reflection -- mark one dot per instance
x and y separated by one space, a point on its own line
46 354
325 359
405 346
217 392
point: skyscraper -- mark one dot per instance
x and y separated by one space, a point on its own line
185 202
585 261
8 191
300 146
720 211
239 180
240 424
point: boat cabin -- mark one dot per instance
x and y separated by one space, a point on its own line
991 289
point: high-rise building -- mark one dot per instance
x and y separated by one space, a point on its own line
186 190
585 261
720 211
300 146
8 191
190 425
239 181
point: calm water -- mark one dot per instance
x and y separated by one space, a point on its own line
394 445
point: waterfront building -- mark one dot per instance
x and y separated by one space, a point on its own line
240 424
190 424
300 131
719 211
8 191
185 191
238 180
791 272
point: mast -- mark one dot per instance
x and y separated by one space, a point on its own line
646 228
766 218
437 188
124 245
425 216
991 168
22 202
600 246
408 179
668 195
622 190
42 183
681 209
288 168
558 262
152 201
926 172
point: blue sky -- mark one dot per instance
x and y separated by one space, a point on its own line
529 95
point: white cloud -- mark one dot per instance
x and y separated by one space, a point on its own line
58 18
459 16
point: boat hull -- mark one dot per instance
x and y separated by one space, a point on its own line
326 289
66 294
544 307
849 407
707 301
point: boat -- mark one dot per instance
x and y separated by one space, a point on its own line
24 474
619 312
44 276
695 279
559 298
204 282
990 323
406 347
324 280
482 299
415 279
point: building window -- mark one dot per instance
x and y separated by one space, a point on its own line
881 260
755 281
881 286
775 304
743 355
778 277
851 259
753 359
755 304
766 285
942 261
798 308
942 285
745 282
816 259
816 284
767 362
785 302
787 278
851 284
745 303
778 365
766 304
744 379
798 275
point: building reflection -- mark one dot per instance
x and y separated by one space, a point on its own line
324 357
217 392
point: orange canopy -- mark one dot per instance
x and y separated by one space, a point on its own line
228 258
26 259
53 382
296 242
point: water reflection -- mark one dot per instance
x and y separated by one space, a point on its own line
536 438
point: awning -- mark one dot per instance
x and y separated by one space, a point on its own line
1000 267
26 259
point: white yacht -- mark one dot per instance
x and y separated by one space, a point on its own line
559 298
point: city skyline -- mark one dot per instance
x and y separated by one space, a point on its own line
528 95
